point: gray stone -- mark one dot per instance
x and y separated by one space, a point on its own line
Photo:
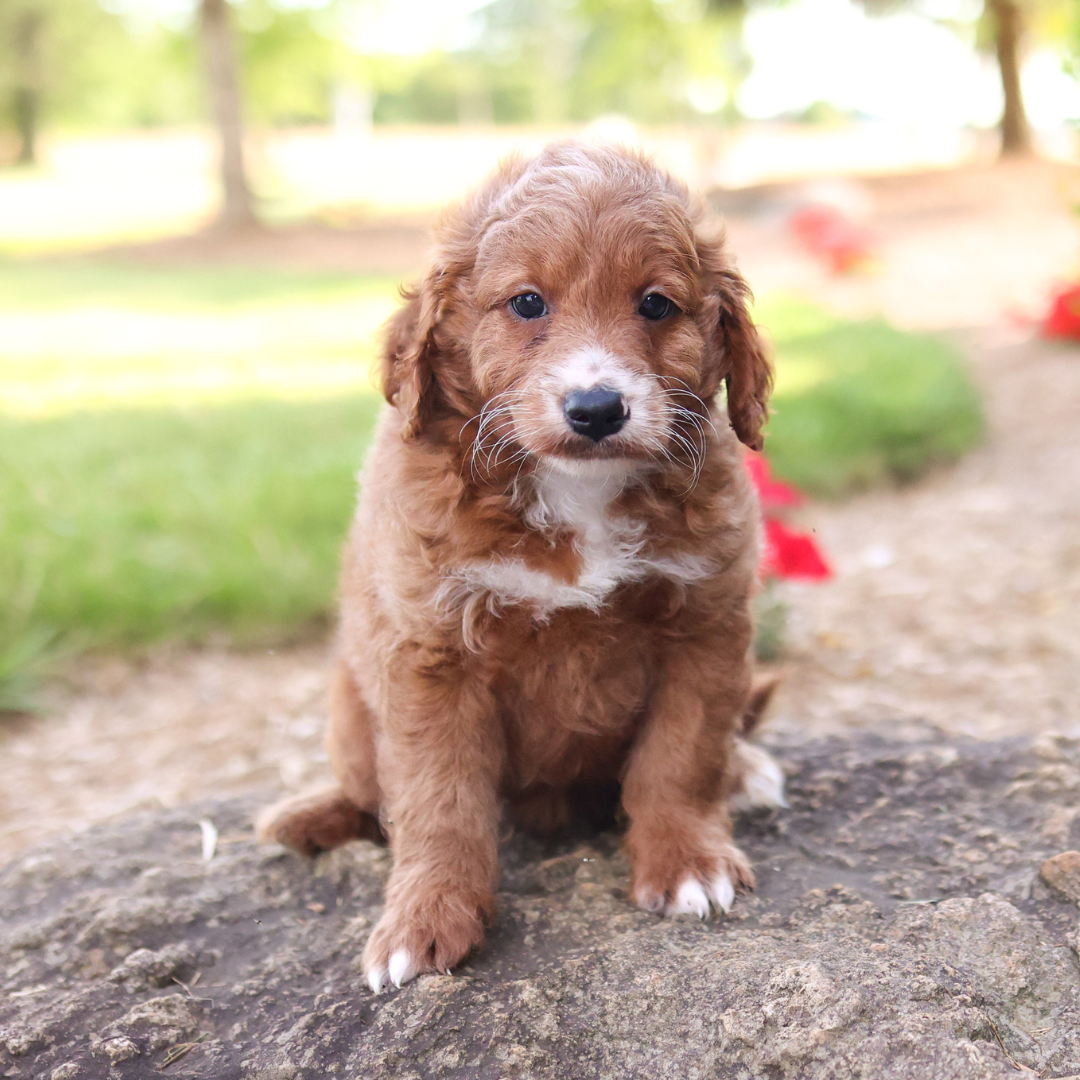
900 931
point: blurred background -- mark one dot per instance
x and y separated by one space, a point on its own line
207 208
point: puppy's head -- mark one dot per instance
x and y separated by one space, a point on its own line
575 314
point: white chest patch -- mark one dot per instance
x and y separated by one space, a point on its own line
611 549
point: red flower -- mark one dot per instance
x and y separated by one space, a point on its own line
1064 318
786 554
790 554
772 494
828 234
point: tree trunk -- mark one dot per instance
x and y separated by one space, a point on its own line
217 37
27 89
1008 24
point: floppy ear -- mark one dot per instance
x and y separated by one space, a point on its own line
748 373
742 362
408 377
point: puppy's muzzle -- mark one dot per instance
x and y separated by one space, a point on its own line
596 412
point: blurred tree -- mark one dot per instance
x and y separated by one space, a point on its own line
646 59
26 32
287 61
223 82
1007 21
1003 28
73 62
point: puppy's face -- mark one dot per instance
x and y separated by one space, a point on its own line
587 322
591 339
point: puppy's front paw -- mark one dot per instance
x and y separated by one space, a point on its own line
696 885
430 933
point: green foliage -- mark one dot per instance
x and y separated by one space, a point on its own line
541 60
289 65
770 625
641 58
216 499
861 404
131 525
91 66
26 657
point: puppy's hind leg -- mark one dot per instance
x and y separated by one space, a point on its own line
755 776
316 822
757 779
332 816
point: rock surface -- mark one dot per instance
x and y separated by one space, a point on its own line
900 930
1062 873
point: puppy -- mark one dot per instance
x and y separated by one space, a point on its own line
547 584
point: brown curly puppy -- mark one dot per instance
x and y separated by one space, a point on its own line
547 584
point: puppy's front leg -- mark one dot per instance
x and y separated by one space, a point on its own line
440 754
683 856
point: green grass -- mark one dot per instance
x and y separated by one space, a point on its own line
141 524
82 283
178 447
860 404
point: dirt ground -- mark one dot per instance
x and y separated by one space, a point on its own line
956 601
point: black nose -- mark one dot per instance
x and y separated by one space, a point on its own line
596 412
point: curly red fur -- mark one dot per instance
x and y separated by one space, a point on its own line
525 610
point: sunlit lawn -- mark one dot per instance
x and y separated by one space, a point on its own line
860 404
178 446
76 335
177 450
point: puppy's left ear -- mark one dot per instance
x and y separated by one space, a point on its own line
742 363
408 370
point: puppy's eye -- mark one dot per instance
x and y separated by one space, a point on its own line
655 306
529 305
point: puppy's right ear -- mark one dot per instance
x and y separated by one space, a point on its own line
408 374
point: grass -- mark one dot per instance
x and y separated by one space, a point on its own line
82 335
860 404
178 446
156 523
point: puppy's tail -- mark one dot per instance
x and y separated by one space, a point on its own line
761 694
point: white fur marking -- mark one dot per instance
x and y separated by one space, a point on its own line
690 900
376 978
576 496
763 779
722 892
595 366
402 968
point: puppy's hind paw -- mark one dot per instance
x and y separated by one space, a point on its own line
316 822
761 780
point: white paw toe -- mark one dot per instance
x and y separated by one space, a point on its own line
377 979
763 779
691 899
722 892
402 968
